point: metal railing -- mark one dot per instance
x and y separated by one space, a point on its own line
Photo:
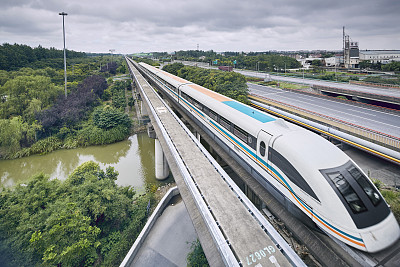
376 136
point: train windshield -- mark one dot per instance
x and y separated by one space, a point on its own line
363 202
347 192
365 184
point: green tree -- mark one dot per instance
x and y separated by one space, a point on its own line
108 117
10 135
196 257
392 66
20 91
365 64
316 62
15 134
82 221
173 68
68 237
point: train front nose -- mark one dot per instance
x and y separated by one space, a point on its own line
382 235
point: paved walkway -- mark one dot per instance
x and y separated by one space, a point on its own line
168 243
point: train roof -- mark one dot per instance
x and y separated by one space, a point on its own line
311 148
242 115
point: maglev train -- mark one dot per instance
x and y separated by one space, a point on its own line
310 176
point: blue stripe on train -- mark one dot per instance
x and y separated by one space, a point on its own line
260 116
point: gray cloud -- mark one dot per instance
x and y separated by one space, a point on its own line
133 26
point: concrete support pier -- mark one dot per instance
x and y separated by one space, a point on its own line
162 169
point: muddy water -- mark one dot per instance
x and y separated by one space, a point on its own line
133 159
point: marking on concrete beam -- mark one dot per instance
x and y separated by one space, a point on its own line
161 110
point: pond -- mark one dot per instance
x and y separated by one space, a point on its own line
132 158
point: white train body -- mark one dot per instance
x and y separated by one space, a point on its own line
309 175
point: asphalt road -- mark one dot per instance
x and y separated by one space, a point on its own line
363 116
392 92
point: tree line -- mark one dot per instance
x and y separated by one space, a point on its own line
13 57
35 116
230 84
262 61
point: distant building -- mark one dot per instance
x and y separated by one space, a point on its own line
351 54
306 62
381 56
332 61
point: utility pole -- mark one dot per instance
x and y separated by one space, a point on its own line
112 51
65 58
344 54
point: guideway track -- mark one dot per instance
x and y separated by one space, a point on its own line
320 246
246 239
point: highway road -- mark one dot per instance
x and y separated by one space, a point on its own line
392 92
363 116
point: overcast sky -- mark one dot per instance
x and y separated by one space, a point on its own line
169 25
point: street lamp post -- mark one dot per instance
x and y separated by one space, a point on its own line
65 59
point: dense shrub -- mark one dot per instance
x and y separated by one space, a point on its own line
85 220
108 117
392 197
118 94
92 135
196 257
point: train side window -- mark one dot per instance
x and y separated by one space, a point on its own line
184 95
242 134
197 104
206 110
347 192
170 86
225 123
262 148
213 115
365 184
290 171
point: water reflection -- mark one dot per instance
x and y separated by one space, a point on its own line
133 159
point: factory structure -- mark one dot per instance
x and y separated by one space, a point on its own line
351 56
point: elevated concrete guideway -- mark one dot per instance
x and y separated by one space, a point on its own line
238 237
